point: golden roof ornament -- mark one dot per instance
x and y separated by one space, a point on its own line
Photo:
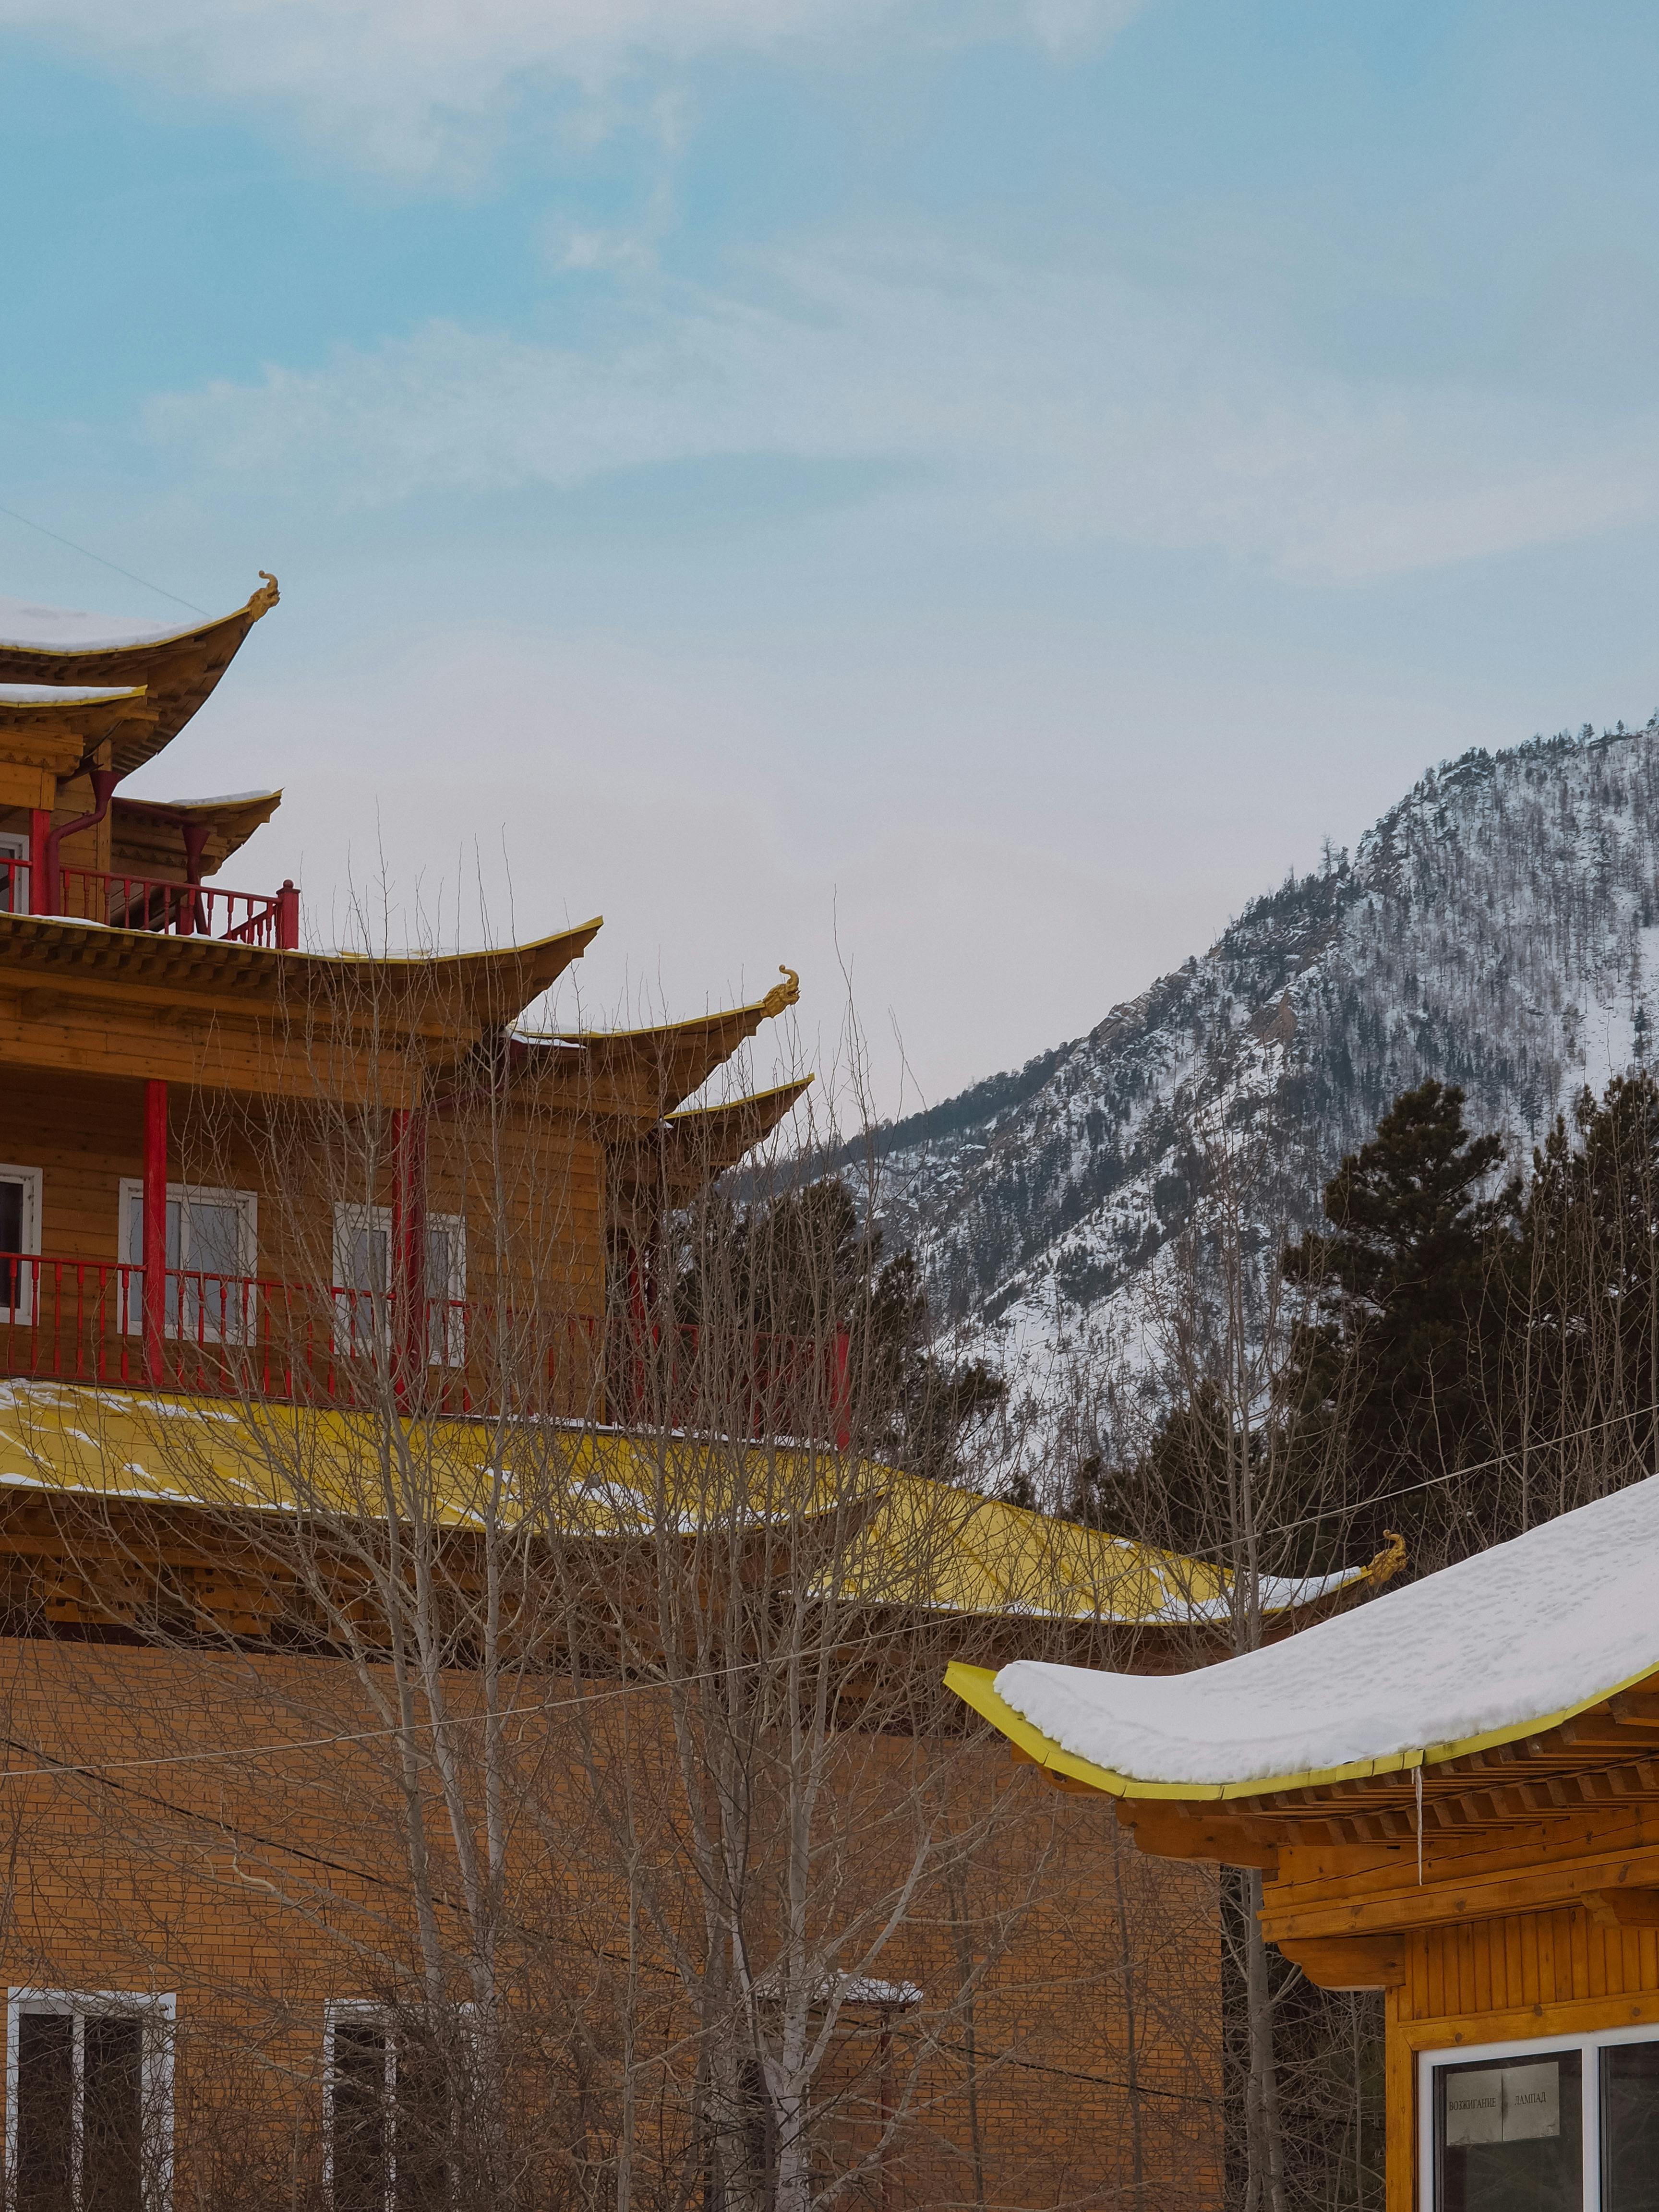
265 598
781 994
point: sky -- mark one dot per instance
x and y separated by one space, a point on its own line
957 498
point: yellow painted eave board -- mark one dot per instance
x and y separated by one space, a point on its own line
974 1686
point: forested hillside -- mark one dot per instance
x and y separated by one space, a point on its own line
1498 928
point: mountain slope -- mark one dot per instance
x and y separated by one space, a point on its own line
1499 927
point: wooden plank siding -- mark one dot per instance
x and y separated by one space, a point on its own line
530 1192
1523 1977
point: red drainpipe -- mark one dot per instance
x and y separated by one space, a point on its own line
104 781
192 914
408 1284
155 1254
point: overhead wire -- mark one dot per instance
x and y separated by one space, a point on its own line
86 551
1429 1482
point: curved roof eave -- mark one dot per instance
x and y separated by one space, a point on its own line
43 646
674 1059
1505 1645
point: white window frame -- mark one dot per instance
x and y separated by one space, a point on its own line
366 2012
23 1314
1589 2046
349 1221
13 847
247 1204
158 2014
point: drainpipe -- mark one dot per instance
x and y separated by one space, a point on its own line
192 915
154 1254
104 781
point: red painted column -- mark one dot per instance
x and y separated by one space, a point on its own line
408 1284
39 830
155 1253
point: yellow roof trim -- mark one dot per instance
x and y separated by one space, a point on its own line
974 1685
796 1088
923 1543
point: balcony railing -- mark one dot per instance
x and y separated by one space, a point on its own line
84 1320
146 902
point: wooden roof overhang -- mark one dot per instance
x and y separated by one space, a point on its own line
178 671
148 835
1560 1811
634 1079
198 1010
667 1165
45 740
111 1501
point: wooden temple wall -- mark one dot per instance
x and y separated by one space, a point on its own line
1519 1978
531 1191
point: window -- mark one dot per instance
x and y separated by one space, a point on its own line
211 1252
20 1241
88 2101
1563 2125
362 1280
15 877
388 2112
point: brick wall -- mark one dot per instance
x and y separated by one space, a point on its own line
1057 1970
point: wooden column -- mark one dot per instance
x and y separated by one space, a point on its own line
408 1284
885 2063
155 1254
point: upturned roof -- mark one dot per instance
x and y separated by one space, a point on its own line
1501 1649
175 668
917 1542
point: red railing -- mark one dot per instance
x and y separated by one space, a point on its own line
83 1320
181 909
13 886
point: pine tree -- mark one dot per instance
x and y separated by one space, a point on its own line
1399 1313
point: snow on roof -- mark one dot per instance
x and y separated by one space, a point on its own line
213 798
58 694
65 630
1518 1638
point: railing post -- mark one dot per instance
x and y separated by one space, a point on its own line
155 1233
287 919
408 1284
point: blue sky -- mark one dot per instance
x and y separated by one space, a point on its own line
953 496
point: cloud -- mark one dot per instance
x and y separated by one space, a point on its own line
418 87
1059 405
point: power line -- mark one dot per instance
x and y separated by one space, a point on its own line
143 582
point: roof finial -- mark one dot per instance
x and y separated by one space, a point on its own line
781 994
265 598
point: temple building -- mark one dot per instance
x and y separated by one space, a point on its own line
147 1007
411 1620
1452 1796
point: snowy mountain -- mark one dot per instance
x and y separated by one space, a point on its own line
1499 928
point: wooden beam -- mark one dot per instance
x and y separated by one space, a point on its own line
1349 1962
1191 1831
1454 1893
1623 1908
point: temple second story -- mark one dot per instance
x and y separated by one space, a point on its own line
233 1164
